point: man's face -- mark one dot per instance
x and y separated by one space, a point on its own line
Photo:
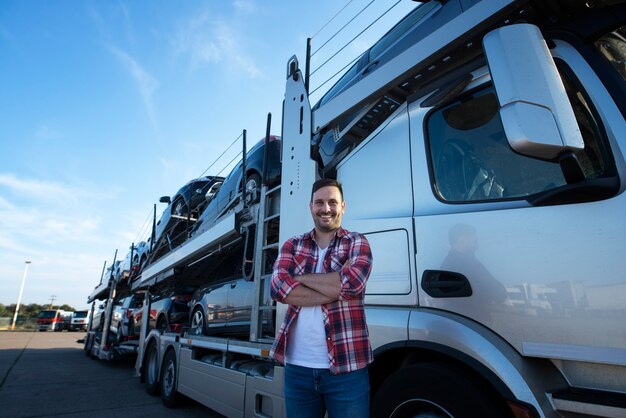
327 208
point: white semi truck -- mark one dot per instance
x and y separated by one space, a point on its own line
486 155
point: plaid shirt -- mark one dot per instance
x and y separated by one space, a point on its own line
347 337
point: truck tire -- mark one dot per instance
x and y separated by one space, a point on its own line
436 390
151 369
169 377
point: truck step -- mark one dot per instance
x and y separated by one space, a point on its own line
590 402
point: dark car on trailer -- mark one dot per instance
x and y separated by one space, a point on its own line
231 190
224 308
182 211
169 311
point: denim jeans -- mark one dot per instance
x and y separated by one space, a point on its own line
310 392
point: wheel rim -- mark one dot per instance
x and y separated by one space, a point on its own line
251 185
152 365
169 378
419 408
197 323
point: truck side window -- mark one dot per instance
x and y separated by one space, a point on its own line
613 48
472 161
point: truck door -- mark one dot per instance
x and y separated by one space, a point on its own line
502 238
378 190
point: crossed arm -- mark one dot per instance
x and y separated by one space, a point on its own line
321 288
315 289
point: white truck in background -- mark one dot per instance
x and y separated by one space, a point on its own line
486 157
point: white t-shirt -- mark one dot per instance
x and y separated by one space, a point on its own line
307 338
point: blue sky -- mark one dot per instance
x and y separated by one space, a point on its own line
107 105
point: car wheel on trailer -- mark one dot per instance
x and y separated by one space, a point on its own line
197 322
253 184
169 396
151 369
436 390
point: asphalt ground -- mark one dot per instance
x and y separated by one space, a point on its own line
46 374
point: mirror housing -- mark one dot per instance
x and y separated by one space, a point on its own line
536 113
165 199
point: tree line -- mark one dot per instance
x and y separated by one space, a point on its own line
29 311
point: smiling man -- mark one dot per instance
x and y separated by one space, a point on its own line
323 341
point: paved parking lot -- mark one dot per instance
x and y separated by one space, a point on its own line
45 374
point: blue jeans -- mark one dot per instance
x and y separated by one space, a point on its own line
310 392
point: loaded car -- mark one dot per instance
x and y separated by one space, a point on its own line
230 192
134 261
225 308
182 211
122 324
169 311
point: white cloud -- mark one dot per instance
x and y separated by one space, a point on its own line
146 83
50 192
37 189
61 229
208 41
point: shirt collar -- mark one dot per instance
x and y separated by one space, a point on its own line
339 234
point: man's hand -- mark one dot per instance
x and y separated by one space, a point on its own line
328 284
305 296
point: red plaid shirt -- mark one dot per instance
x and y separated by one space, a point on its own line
347 337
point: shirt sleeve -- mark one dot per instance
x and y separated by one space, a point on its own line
355 273
282 282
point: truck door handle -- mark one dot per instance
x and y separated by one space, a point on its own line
445 284
233 285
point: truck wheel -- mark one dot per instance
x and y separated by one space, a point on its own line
436 390
151 369
169 396
197 322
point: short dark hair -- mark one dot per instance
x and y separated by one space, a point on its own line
325 183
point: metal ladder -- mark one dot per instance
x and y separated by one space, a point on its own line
266 246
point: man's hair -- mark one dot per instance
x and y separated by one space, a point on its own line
324 183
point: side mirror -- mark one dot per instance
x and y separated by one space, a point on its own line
165 199
536 113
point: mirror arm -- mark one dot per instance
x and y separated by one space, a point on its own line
572 170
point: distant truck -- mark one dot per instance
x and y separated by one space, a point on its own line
51 320
79 321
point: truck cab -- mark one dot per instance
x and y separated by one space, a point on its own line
51 320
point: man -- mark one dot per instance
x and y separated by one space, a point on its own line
323 341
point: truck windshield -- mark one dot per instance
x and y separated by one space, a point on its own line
82 314
47 314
